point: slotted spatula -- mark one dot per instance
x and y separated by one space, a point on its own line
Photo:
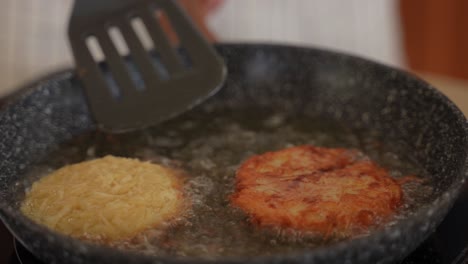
118 101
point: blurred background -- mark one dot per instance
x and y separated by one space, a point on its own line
426 37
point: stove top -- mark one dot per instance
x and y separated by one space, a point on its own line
447 245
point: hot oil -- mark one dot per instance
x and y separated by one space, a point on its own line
209 146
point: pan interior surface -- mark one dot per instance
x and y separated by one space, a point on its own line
208 144
274 97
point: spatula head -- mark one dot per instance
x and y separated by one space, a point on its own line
145 87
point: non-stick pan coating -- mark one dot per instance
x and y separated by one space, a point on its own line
358 93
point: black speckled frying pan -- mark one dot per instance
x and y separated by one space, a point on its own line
357 93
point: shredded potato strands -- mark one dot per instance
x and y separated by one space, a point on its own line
105 199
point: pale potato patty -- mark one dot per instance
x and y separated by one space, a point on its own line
105 199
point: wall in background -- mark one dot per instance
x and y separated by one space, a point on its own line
366 28
33 32
32 40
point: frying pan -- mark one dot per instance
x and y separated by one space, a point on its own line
355 92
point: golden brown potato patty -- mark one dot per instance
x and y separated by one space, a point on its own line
328 191
105 199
